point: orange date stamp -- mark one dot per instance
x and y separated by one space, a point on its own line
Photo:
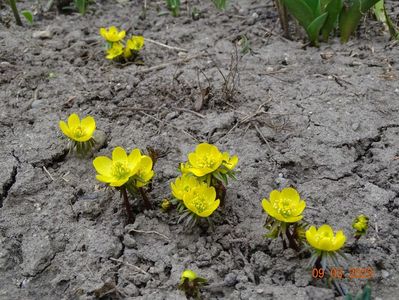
341 273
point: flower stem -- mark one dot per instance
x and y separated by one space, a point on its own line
220 191
14 9
128 208
291 240
147 203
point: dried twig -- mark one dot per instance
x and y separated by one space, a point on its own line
149 232
190 111
165 46
129 265
48 173
174 62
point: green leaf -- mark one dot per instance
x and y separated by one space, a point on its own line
314 28
350 17
333 8
81 6
28 16
301 11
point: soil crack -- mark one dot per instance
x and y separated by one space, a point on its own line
8 185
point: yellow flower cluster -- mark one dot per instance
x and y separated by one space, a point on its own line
117 49
286 208
134 168
194 189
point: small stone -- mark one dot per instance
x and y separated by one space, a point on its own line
355 126
259 291
129 241
230 279
42 34
36 103
385 274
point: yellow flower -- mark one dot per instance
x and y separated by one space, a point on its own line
361 224
77 130
323 239
136 43
229 162
183 185
114 51
112 34
120 169
189 275
201 200
144 172
285 206
204 160
165 204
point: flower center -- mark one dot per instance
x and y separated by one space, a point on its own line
79 132
283 207
199 203
120 170
206 162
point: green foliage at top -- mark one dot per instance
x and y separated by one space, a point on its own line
315 16
174 7
351 15
364 294
220 4
81 6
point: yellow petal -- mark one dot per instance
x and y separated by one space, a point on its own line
103 33
340 239
119 182
299 208
210 210
121 34
188 274
119 154
267 206
145 164
205 148
89 124
134 159
73 121
290 194
65 129
311 236
325 230
274 196
103 165
104 179
291 219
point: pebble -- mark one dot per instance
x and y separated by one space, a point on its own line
230 279
42 34
36 103
355 126
385 274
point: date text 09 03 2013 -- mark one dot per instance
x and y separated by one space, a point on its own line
340 273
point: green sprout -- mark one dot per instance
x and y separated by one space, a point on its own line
364 294
81 6
316 16
190 284
382 16
26 13
351 15
220 4
174 7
